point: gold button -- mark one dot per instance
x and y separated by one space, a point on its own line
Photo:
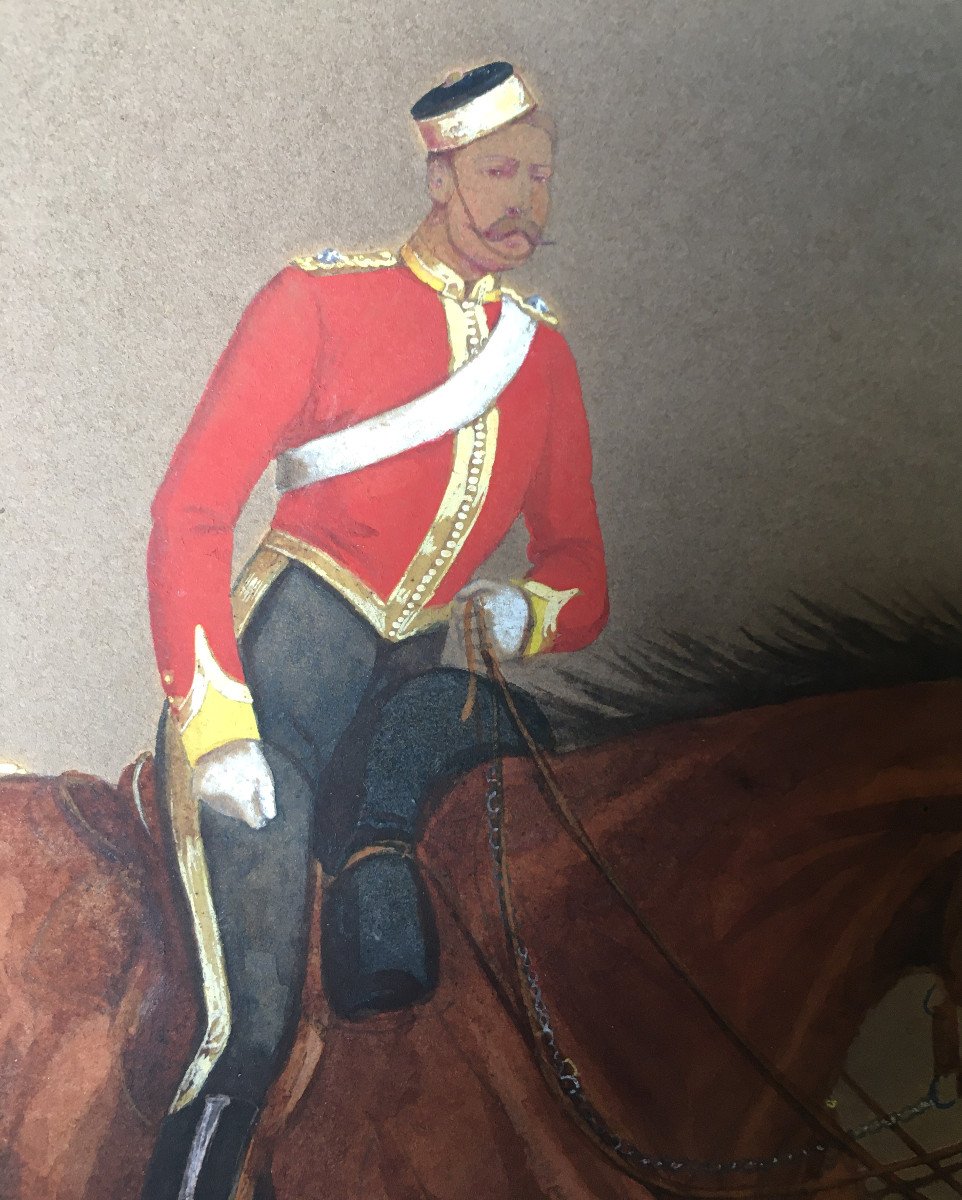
167 677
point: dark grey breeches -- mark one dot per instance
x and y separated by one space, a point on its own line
359 732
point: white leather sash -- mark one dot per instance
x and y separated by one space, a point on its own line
463 397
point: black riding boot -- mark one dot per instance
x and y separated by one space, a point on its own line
200 1150
379 947
379 940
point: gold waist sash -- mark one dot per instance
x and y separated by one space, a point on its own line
384 615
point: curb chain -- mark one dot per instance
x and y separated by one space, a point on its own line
564 1069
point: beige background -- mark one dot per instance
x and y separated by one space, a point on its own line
758 262
757 218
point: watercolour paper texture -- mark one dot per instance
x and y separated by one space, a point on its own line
660 824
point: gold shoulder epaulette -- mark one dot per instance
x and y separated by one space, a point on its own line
534 306
336 262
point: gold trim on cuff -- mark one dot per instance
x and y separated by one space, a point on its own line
546 604
218 708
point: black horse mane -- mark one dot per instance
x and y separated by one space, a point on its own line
810 649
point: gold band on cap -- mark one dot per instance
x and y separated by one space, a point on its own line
484 114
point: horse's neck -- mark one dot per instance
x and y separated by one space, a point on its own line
803 840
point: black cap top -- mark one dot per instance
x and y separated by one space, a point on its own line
449 96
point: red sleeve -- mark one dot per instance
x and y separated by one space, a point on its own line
566 548
258 387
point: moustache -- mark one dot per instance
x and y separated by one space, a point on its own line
505 227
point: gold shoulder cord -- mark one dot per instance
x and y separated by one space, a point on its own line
534 306
337 262
255 579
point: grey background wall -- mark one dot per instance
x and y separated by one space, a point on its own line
758 259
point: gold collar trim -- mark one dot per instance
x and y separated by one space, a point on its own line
443 279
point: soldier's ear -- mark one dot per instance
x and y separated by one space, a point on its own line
440 178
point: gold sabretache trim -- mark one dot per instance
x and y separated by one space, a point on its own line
184 812
192 865
484 114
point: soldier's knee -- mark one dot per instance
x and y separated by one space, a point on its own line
435 702
434 699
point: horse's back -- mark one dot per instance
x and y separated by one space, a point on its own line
91 977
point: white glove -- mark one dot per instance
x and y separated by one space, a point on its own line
507 615
236 781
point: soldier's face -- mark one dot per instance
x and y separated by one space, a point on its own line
497 196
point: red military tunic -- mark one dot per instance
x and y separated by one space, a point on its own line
326 344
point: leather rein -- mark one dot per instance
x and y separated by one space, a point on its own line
561 1073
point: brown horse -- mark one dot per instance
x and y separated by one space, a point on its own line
797 858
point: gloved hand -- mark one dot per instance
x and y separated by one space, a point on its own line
507 618
236 781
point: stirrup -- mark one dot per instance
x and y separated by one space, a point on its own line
387 846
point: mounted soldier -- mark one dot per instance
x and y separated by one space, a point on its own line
414 407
